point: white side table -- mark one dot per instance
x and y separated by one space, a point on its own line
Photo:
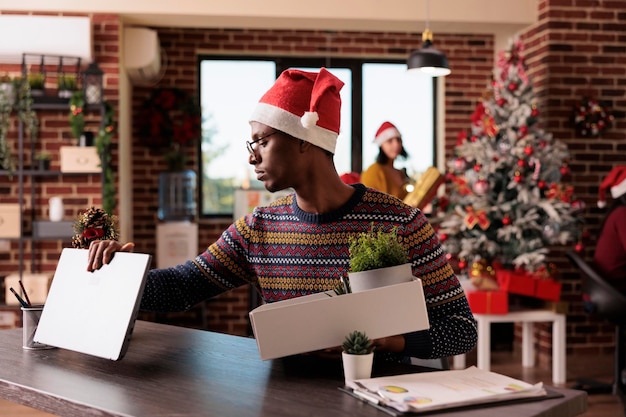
527 318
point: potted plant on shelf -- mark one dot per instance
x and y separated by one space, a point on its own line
36 80
378 258
66 85
357 356
43 161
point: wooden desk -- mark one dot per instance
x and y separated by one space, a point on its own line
173 371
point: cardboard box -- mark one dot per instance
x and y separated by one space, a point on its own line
488 302
81 159
36 285
516 282
10 221
322 320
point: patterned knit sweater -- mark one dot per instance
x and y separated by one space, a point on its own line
286 252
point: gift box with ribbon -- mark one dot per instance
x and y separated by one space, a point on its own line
488 302
516 282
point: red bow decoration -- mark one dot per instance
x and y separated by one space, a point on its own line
561 192
461 185
478 217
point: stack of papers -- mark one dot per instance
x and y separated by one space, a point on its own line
430 391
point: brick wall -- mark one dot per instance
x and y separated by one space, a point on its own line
574 41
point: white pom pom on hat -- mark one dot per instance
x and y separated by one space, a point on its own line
385 132
616 182
305 105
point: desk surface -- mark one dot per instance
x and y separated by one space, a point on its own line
173 371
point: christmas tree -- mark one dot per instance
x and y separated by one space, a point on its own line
505 201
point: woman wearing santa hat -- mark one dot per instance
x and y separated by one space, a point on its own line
382 175
610 254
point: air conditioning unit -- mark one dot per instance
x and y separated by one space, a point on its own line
142 56
44 35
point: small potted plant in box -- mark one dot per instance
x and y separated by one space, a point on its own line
43 161
357 356
378 258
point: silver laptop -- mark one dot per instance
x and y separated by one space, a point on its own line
93 312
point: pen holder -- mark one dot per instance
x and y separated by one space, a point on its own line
30 321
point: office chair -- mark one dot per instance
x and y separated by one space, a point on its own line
600 298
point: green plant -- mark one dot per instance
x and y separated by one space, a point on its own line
357 343
376 249
36 80
43 156
67 82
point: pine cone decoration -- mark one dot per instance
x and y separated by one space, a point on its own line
94 224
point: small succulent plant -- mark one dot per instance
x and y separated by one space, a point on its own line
357 343
376 249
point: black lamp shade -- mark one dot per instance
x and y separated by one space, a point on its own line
92 84
428 61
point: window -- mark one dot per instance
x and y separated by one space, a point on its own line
373 92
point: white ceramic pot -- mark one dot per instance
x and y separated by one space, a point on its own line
357 366
57 212
375 278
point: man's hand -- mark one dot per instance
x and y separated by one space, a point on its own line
101 252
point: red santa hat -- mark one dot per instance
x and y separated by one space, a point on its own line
385 132
616 182
305 105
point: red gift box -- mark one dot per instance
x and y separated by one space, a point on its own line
548 289
488 302
516 282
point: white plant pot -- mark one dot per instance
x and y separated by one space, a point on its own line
357 366
375 278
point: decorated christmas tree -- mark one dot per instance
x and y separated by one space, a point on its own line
506 201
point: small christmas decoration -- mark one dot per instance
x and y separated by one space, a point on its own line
591 118
94 224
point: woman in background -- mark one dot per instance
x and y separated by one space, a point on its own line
382 175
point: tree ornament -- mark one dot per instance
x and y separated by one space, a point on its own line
541 185
506 220
534 112
512 86
528 150
460 164
462 264
521 163
518 177
477 167
504 146
564 170
443 237
501 102
523 131
481 187
579 247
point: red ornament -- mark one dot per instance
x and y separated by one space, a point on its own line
512 86
473 139
501 102
506 220
541 185
534 112
518 177
477 167
523 131
521 163
460 164
481 187
579 247
528 150
443 237
564 170
462 264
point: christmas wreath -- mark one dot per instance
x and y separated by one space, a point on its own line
591 118
94 224
171 120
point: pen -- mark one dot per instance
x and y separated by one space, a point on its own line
22 302
24 292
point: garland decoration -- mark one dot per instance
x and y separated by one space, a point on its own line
77 114
94 224
103 142
591 118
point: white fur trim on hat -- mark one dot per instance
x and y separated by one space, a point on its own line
291 124
619 189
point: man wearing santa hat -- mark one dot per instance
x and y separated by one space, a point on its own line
299 245
382 175
610 253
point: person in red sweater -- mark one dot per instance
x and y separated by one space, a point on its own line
610 253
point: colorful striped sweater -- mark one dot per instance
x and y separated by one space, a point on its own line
286 252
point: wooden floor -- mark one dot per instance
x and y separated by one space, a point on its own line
507 363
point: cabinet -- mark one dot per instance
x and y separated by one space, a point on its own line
31 187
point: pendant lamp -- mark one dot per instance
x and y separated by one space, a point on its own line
428 60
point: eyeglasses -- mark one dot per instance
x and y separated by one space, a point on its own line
249 144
